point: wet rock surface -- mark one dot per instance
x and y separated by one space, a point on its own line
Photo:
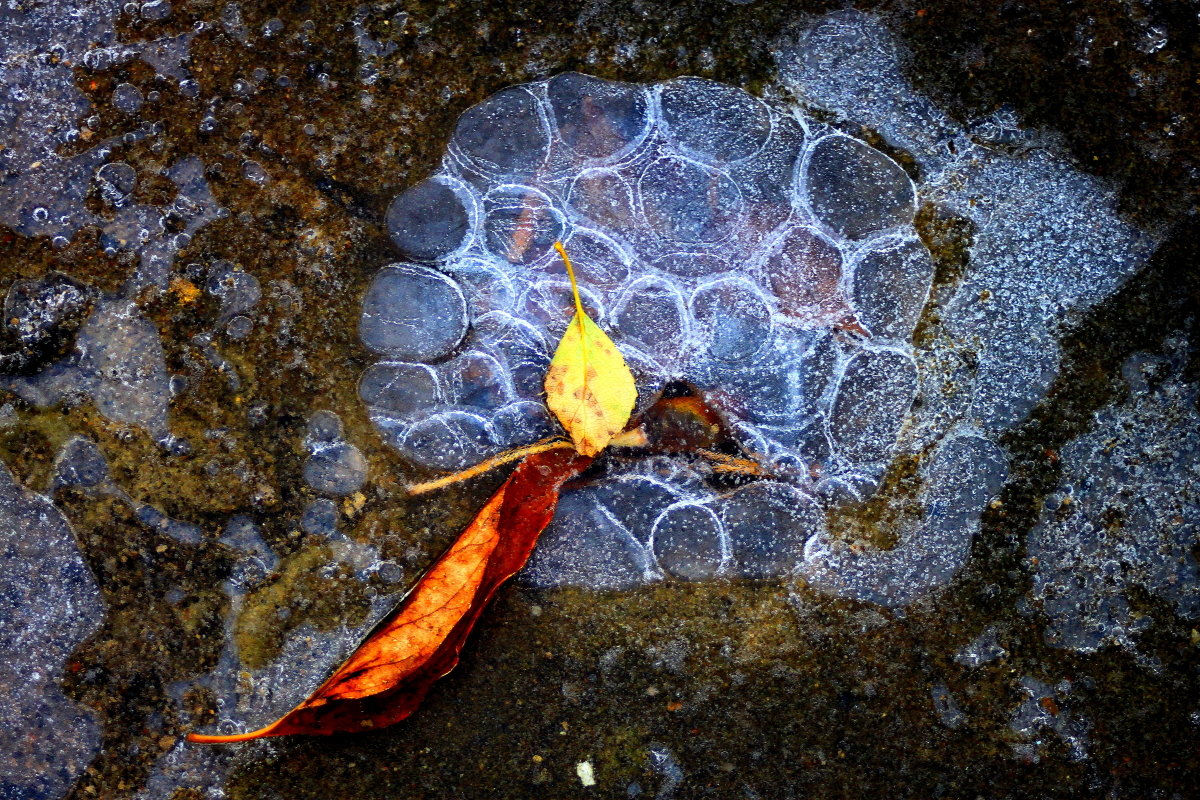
263 267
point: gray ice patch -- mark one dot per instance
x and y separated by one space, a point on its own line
771 261
49 603
334 467
1126 516
118 362
41 192
961 477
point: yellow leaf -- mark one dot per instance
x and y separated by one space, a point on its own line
588 386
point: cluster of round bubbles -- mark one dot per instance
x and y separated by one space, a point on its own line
766 260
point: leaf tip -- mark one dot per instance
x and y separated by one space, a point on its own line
203 738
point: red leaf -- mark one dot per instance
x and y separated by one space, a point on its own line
388 676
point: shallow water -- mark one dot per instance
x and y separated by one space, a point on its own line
264 268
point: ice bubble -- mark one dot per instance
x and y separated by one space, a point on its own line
521 223
650 315
505 135
334 466
689 542
337 469
432 219
855 190
237 291
239 327
320 517
116 181
767 180
734 317
585 546
451 440
768 524
784 387
389 572
127 98
712 121
324 427
595 118
522 423
604 198
476 380
80 463
255 172
520 345
805 272
486 285
399 390
550 304
876 390
634 502
890 285
413 313
598 260
687 202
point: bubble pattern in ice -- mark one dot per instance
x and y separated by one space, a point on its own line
766 260
719 241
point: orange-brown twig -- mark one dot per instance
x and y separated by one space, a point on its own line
552 443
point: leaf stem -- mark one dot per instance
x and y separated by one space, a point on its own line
552 443
562 251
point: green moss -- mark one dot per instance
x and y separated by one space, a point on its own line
949 238
311 587
877 521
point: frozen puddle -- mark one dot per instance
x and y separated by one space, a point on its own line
771 264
